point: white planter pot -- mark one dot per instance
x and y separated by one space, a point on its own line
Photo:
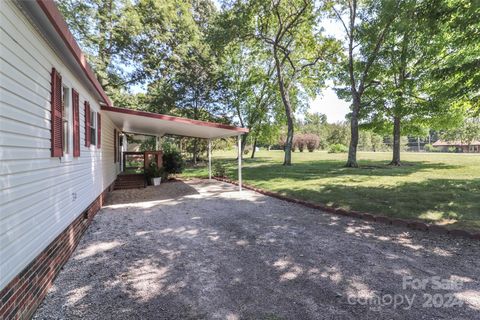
156 181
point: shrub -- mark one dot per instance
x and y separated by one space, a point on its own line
338 148
282 141
312 141
299 142
153 171
219 169
173 161
430 148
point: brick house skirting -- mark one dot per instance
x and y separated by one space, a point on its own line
22 296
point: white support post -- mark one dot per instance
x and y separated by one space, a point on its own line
210 159
239 162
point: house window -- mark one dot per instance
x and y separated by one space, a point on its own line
66 116
93 127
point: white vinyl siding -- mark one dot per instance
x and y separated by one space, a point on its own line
39 195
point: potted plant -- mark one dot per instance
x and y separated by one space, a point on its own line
155 174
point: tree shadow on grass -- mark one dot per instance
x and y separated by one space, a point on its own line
311 170
431 200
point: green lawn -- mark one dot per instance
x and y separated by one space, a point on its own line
437 187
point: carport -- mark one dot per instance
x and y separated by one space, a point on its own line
158 125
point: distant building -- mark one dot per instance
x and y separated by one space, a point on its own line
459 146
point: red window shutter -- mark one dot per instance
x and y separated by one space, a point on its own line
76 123
115 145
99 130
87 124
57 113
119 149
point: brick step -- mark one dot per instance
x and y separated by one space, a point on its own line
130 181
129 178
129 187
130 184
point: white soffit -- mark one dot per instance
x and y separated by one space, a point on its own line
147 123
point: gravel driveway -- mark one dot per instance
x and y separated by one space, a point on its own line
200 250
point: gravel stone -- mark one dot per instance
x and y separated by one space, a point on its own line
202 250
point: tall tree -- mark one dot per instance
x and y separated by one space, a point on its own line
195 80
247 86
459 71
366 25
398 98
131 43
102 30
299 50
405 95
196 89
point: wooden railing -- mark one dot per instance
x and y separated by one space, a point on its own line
139 161
134 161
153 156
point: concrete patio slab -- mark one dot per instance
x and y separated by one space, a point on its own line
203 250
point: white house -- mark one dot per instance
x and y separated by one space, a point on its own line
58 148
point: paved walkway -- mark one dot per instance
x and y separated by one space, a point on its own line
199 250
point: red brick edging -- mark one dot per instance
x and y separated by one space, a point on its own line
409 223
22 296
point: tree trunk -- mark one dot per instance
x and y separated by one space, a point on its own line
352 150
288 111
289 143
244 136
195 151
244 143
195 116
254 147
396 142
